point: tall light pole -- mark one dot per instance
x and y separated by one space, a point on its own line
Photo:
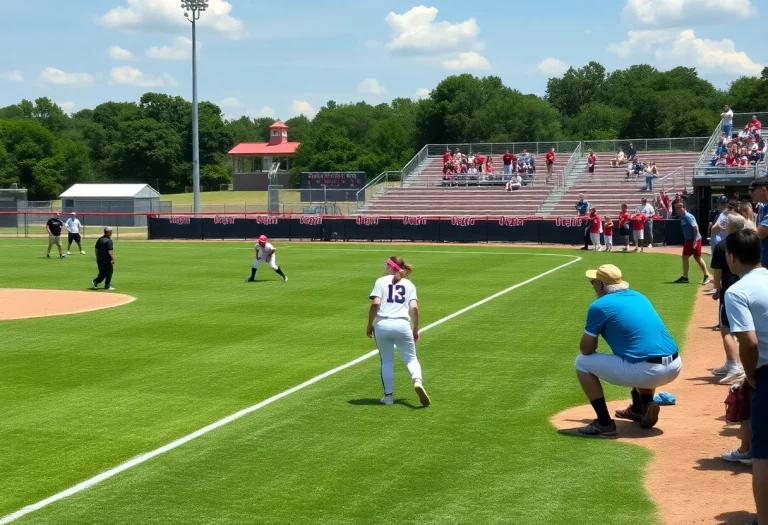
192 10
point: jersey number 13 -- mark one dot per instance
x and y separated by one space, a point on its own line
396 294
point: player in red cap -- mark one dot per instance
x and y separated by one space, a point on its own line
265 253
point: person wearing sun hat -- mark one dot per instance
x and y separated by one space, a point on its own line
643 357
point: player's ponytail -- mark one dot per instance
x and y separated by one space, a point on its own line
401 268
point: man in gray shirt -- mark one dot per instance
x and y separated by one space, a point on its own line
746 303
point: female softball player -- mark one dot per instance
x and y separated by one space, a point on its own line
265 254
394 305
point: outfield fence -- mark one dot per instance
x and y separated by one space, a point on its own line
248 226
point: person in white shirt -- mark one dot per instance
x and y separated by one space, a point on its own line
74 228
727 116
265 254
746 304
394 307
515 183
649 213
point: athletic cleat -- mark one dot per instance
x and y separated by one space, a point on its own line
596 430
82 252
682 280
629 414
95 286
387 400
423 397
651 416
69 253
285 278
737 456
735 375
249 280
62 256
110 289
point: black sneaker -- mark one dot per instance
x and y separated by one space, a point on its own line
596 430
706 280
250 280
682 280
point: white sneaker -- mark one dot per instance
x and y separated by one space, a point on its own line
111 288
69 253
82 252
737 456
423 397
734 375
650 246
387 400
285 278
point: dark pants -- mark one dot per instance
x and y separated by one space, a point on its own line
759 415
105 274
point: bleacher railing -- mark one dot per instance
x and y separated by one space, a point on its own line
388 179
682 145
575 157
499 148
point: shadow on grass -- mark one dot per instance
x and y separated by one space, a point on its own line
739 517
626 429
720 465
377 402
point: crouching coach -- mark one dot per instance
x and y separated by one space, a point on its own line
644 356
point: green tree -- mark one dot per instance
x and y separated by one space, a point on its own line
576 88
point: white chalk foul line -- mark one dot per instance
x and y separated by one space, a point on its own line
143 458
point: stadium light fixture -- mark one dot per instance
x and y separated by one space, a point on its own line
192 11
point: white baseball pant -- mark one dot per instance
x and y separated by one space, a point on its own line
595 237
391 333
272 262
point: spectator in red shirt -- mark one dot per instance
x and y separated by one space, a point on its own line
731 160
591 163
447 156
665 202
507 158
638 227
608 229
754 125
595 227
625 226
479 162
550 158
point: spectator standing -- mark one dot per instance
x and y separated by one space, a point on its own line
746 303
758 192
550 158
74 226
507 159
638 228
447 156
591 163
625 226
479 162
608 229
665 203
649 176
714 216
692 245
54 227
646 209
105 260
727 116
582 209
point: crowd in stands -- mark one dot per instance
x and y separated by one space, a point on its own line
516 170
742 149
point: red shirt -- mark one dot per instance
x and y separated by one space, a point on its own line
592 160
447 156
624 218
731 160
638 222
608 229
508 158
595 227
550 158
665 200
479 160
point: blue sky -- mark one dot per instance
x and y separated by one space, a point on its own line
281 58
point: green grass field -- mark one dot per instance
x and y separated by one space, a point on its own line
84 393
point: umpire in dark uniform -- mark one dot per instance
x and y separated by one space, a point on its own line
105 259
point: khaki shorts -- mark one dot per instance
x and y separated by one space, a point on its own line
54 240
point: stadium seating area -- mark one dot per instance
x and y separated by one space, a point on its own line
609 188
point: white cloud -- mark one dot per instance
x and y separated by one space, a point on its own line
371 86
230 102
157 15
67 106
12 76
57 77
416 31
552 66
264 112
302 107
131 76
467 61
180 49
671 13
422 93
118 53
672 47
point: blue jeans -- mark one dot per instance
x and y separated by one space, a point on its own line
507 169
728 130
649 183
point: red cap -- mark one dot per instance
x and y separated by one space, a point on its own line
263 239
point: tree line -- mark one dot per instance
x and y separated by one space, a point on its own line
46 150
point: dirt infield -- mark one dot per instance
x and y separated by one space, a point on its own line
26 304
687 479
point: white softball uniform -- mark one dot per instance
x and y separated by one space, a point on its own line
393 329
262 252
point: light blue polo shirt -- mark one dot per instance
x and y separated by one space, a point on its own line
746 303
688 223
630 325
